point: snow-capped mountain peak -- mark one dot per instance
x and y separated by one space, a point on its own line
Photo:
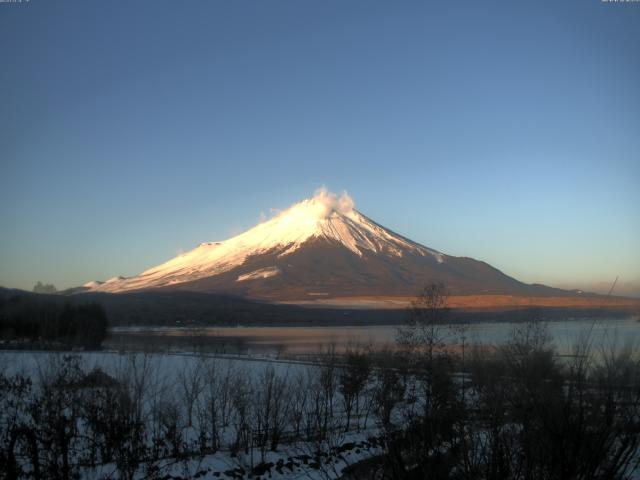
326 217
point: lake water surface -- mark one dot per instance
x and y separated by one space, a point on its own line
312 340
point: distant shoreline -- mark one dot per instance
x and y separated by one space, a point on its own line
333 317
489 301
182 308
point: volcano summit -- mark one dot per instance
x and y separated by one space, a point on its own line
321 247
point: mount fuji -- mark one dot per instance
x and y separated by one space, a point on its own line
319 248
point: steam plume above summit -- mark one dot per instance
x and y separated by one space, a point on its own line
341 203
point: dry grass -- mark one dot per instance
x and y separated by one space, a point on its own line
478 301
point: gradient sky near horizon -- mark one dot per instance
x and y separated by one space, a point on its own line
505 131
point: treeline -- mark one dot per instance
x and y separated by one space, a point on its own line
31 320
515 411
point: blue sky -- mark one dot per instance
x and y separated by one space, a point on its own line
504 131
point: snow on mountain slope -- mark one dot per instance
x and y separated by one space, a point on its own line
326 216
258 274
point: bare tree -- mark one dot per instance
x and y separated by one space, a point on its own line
241 395
353 379
299 391
426 331
215 391
17 431
190 380
55 411
389 391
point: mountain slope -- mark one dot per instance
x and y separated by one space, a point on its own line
320 247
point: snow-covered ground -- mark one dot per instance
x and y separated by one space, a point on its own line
322 460
181 390
167 365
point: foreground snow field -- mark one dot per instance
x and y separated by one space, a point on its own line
213 417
